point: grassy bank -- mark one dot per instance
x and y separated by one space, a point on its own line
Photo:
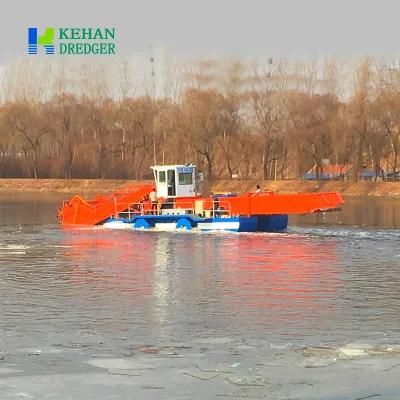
389 189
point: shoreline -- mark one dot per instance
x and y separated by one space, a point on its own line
86 186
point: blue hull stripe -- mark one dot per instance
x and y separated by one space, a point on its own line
261 223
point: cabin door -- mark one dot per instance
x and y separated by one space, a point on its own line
171 182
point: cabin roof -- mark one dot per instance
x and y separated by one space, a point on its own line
167 167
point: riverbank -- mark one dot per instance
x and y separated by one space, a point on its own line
379 189
64 185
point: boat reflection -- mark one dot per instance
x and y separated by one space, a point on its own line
267 278
289 276
115 260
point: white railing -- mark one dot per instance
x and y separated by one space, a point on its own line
219 208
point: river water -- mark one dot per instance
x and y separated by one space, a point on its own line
313 313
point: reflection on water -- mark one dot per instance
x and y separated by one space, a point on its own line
211 280
313 285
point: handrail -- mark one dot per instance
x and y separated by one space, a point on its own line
145 208
223 207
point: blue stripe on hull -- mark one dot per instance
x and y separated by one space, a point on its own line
260 223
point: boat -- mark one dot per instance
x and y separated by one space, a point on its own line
175 202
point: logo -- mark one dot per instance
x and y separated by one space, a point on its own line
72 41
45 40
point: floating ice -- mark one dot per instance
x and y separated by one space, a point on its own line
356 349
247 380
217 340
118 364
4 371
348 351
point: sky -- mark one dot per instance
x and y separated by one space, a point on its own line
222 28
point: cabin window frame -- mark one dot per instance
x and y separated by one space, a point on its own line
183 181
162 176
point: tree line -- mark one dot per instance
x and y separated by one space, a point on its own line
234 119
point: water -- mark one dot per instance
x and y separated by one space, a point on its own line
93 313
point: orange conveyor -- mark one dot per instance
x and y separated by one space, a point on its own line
269 203
78 211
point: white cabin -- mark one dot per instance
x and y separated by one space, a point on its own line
175 180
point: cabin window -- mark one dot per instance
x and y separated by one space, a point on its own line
161 176
185 178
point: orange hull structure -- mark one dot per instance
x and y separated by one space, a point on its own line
78 211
